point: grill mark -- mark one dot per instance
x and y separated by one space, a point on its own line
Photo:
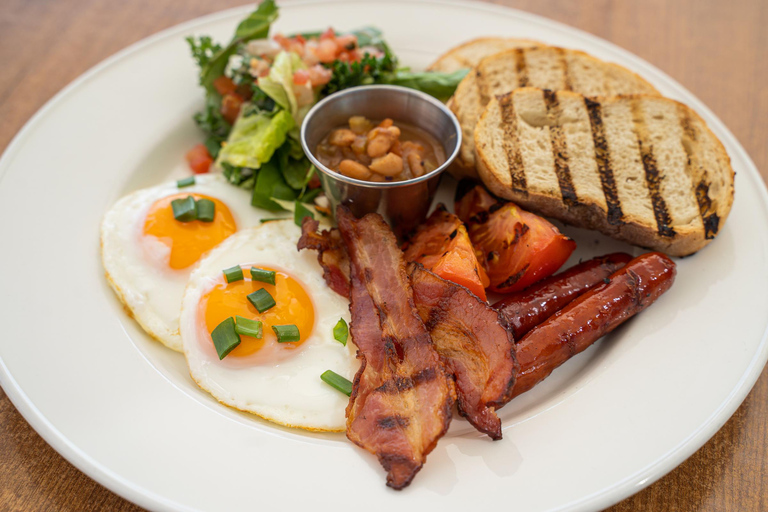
652 176
395 421
510 143
602 156
559 150
698 175
511 280
482 87
711 220
566 70
521 67
398 384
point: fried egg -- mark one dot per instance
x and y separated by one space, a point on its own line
148 255
277 381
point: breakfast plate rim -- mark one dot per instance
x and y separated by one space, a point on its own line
605 497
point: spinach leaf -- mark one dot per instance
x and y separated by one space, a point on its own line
437 84
295 171
270 184
243 177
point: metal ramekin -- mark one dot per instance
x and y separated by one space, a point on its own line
403 204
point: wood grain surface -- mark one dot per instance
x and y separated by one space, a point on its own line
715 48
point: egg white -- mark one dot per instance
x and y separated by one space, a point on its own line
287 391
136 266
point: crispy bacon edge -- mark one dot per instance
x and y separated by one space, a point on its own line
331 254
402 397
474 343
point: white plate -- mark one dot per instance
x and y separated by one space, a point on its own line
123 409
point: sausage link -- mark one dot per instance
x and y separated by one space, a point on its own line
589 317
528 308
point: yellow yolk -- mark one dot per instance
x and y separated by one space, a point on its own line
293 306
188 241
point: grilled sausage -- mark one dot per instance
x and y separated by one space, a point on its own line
528 308
589 317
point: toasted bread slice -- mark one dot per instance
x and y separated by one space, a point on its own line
639 168
547 67
469 54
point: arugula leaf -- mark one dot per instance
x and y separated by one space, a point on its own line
255 26
212 122
255 138
203 49
271 185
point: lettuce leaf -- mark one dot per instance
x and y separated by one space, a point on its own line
278 84
255 138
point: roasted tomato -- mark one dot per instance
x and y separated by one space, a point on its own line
518 248
471 199
442 245
199 159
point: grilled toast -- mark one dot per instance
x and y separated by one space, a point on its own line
545 67
639 168
469 54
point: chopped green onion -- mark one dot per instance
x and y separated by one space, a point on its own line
248 327
184 210
261 300
233 274
262 221
300 212
336 381
186 182
341 332
286 333
264 276
206 210
225 338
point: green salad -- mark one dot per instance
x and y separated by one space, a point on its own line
258 89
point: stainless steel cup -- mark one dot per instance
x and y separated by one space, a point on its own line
403 204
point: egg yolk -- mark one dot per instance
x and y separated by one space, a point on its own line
188 241
292 306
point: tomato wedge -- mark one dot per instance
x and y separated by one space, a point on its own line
518 248
224 85
442 245
230 107
199 159
471 199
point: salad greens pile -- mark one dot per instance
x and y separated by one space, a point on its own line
260 151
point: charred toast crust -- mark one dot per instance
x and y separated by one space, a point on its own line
711 188
456 57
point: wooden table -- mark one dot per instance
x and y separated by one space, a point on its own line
714 48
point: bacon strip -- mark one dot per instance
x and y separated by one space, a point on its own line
402 396
332 255
474 344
